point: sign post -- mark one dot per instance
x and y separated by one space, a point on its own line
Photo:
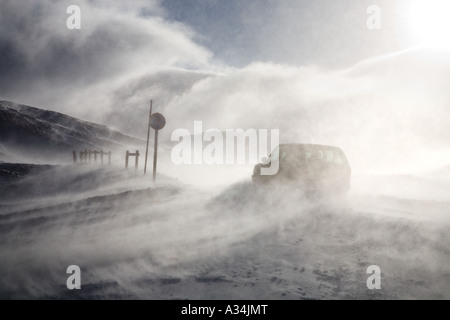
148 137
157 122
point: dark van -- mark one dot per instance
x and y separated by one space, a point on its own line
316 169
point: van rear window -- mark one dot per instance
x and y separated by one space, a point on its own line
327 155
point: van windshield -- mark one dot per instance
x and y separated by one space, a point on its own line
311 153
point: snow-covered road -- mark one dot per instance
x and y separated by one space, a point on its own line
133 240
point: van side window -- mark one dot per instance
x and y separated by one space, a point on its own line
338 158
330 155
333 157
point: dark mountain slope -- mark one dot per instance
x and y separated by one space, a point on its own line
30 131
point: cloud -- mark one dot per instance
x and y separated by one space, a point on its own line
43 61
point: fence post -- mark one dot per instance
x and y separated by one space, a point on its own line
137 159
109 158
126 159
75 157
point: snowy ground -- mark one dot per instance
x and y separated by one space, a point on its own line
132 239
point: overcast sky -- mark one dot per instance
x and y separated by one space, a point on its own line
117 36
120 38
311 67
299 32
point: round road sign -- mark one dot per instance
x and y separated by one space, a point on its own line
157 121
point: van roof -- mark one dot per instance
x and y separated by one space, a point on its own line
307 146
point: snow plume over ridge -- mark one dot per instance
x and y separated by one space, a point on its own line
387 113
381 111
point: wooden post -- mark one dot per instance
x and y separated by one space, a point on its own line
109 158
101 156
148 137
158 122
155 155
136 160
95 156
75 157
126 159
85 156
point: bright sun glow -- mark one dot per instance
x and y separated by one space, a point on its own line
430 21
